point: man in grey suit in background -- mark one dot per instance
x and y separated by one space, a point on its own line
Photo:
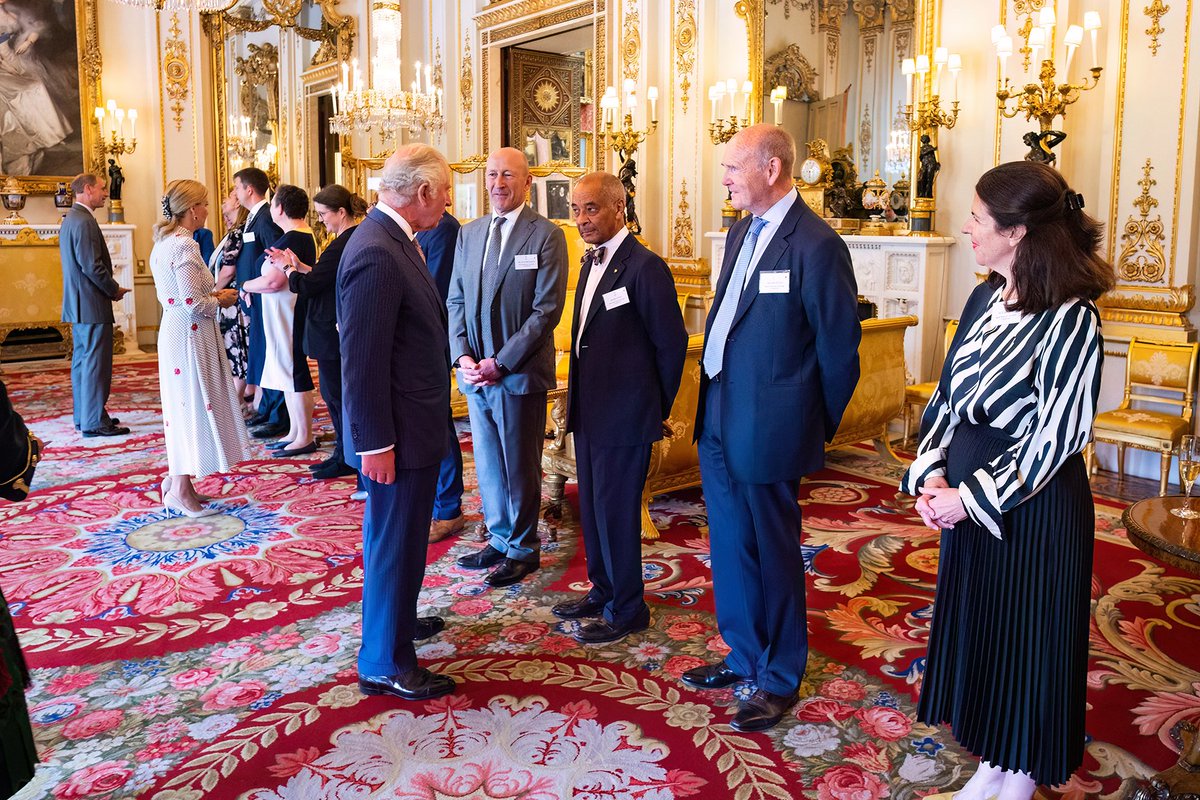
89 291
506 296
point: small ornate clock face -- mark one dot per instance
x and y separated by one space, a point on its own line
897 200
810 171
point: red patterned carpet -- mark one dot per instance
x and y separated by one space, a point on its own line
183 659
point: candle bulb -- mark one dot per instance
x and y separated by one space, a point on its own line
1073 39
998 33
112 107
1091 22
714 97
955 66
100 120
132 124
1003 50
652 96
907 67
120 126
1037 39
747 90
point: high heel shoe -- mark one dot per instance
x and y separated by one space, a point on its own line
173 503
166 489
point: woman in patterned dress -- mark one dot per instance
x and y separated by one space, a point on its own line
1000 472
223 264
204 430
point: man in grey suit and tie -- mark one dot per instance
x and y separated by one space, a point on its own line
506 296
89 291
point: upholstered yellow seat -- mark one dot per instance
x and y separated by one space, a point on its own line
1158 374
917 395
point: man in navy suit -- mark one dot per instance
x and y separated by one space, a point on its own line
250 186
438 245
628 344
89 290
780 364
395 399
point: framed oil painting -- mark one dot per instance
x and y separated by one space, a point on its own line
49 86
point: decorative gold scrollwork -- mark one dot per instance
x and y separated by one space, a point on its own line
176 71
1155 12
682 243
685 48
1142 258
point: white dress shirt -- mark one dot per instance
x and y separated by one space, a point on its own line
774 218
510 222
594 275
253 211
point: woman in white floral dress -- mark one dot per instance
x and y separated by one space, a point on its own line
201 421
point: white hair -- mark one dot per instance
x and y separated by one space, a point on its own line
410 168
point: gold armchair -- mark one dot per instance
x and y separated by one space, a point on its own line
918 394
1158 373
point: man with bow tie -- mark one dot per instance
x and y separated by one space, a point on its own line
628 345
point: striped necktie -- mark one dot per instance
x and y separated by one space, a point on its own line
491 262
714 346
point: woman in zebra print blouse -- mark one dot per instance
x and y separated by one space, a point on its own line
999 472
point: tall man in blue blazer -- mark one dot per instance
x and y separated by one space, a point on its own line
438 245
628 344
395 399
250 186
779 366
506 296
89 290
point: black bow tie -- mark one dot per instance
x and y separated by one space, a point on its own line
593 256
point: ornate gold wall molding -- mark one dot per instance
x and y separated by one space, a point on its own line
684 40
755 15
869 13
831 13
800 5
903 40
869 40
631 43
1161 308
1142 259
466 86
682 241
1155 11
903 11
176 70
789 68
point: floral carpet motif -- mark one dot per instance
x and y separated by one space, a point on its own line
181 659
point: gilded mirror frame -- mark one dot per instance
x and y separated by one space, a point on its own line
336 35
87 49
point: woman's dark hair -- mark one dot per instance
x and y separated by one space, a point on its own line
292 201
335 196
1057 259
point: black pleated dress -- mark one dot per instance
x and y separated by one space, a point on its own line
1008 645
18 756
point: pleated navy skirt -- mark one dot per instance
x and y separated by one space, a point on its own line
1008 645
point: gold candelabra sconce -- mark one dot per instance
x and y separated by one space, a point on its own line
1047 99
720 128
116 144
624 141
240 141
925 115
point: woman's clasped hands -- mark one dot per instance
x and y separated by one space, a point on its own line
939 505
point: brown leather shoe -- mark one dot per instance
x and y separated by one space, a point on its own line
762 711
442 528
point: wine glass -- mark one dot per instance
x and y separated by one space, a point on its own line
1189 470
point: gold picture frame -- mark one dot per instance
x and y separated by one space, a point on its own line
90 64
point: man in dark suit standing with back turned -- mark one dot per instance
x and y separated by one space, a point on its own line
779 366
628 344
89 290
395 399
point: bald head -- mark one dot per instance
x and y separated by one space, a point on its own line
758 165
507 178
598 207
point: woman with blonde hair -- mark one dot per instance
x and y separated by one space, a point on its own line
203 429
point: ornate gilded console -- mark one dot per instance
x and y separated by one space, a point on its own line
674 462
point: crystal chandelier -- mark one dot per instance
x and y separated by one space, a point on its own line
899 147
385 105
203 6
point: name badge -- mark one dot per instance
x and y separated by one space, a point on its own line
526 261
616 298
248 236
774 282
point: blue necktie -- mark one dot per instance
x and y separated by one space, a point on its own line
714 348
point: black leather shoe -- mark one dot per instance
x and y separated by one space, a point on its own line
762 711
481 559
256 420
582 608
417 684
284 452
325 463
510 572
114 421
106 430
602 630
268 431
332 471
711 676
427 627
277 444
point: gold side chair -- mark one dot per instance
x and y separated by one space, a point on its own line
1157 374
918 394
